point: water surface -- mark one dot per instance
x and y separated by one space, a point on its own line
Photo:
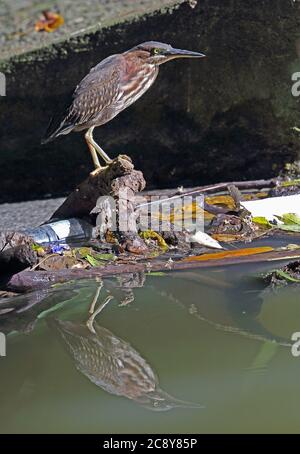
214 339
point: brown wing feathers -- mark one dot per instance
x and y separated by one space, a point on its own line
93 94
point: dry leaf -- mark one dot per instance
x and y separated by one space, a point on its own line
49 22
57 262
182 212
226 237
80 265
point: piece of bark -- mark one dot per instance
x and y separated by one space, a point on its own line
16 252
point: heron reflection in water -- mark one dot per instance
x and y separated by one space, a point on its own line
112 363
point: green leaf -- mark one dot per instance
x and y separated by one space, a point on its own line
286 276
92 261
104 256
262 222
84 251
37 248
291 222
265 354
289 218
155 273
290 183
289 228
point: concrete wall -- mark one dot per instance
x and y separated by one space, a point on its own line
227 117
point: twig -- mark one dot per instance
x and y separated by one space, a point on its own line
255 184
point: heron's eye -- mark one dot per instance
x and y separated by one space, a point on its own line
155 51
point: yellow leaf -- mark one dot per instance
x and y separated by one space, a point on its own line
262 222
84 251
150 234
225 200
110 238
257 195
290 183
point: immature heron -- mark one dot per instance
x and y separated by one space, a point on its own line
114 365
111 86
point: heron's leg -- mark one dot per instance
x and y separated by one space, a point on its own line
92 310
90 321
95 299
92 148
98 148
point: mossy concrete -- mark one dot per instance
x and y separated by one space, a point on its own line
227 117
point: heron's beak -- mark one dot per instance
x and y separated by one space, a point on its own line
179 53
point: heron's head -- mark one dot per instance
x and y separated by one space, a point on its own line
159 400
156 53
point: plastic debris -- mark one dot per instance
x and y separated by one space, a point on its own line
273 206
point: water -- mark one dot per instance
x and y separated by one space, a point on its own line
211 338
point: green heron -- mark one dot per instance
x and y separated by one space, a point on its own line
111 363
114 365
111 86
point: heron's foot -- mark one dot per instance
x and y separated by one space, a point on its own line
108 161
97 170
100 152
105 158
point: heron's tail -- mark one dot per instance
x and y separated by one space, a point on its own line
54 130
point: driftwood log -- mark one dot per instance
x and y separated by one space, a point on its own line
34 280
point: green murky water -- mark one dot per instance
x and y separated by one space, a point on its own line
211 338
